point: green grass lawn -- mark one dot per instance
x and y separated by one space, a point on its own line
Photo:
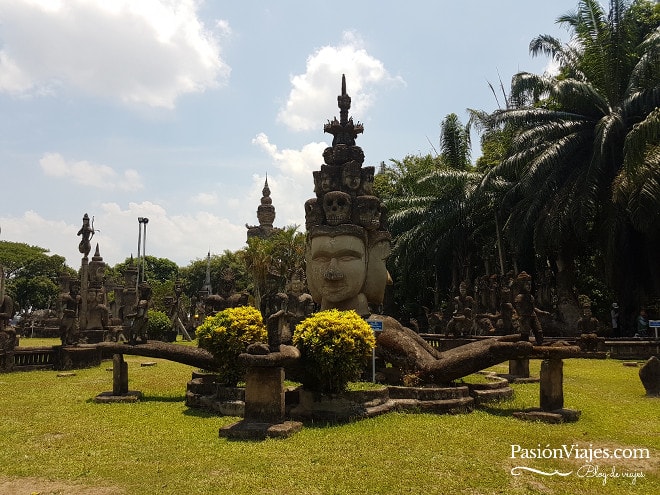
54 439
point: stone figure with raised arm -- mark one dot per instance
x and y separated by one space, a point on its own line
87 232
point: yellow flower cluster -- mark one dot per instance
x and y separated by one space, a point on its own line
335 346
228 333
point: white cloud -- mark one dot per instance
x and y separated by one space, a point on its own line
313 98
89 174
293 184
205 199
181 238
147 52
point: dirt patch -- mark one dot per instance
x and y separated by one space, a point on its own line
36 486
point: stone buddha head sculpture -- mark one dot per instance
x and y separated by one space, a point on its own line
337 260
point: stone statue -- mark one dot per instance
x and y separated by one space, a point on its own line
7 333
462 300
87 232
527 311
347 244
140 325
69 331
587 324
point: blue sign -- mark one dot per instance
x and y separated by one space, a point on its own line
375 324
654 323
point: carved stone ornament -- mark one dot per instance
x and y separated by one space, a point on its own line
337 207
367 212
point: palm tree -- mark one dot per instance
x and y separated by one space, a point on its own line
434 218
575 131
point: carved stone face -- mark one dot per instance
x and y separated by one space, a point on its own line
327 182
367 176
328 156
336 269
356 153
367 212
377 274
350 176
313 213
337 207
341 154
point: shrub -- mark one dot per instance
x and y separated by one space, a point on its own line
335 346
228 334
159 325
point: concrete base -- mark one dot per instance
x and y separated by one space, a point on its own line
247 430
553 417
110 397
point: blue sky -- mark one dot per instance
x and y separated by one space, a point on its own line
176 110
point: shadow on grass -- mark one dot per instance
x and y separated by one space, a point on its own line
148 398
498 410
163 398
202 413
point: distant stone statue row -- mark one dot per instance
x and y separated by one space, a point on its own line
517 312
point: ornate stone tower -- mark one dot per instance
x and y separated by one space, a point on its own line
265 215
347 242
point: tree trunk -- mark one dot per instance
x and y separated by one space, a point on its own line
567 305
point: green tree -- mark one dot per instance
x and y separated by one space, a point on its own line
574 133
32 274
436 219
194 275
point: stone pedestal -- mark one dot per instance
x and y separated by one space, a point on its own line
519 367
119 375
551 395
264 395
120 392
552 384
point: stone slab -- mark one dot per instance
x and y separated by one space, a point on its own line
109 397
247 430
551 417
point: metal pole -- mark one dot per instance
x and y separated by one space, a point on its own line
139 260
144 250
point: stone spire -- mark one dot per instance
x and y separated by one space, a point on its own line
346 217
344 131
206 288
266 210
265 215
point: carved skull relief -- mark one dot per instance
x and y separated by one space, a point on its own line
337 207
367 212
313 213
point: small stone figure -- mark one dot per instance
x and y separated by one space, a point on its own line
461 324
587 324
7 332
528 313
69 325
140 325
87 232
462 301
